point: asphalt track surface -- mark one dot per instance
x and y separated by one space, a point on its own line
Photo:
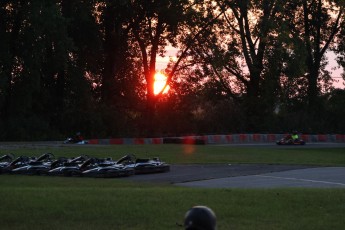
247 176
252 176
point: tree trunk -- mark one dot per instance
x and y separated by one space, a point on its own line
110 46
313 91
150 106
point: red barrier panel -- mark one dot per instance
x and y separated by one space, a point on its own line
157 141
139 141
321 138
217 139
116 141
93 141
305 137
188 140
340 138
243 137
256 137
271 137
228 138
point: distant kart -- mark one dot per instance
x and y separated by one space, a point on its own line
288 141
71 140
144 166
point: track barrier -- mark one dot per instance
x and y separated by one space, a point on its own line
218 139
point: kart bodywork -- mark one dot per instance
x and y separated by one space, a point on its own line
36 166
70 167
8 167
82 166
109 171
5 161
92 167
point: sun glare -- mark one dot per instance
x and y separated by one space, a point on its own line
160 80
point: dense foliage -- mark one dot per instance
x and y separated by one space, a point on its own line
240 66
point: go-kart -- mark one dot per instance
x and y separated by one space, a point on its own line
71 140
290 141
36 166
5 161
9 166
144 166
107 169
70 167
81 166
92 167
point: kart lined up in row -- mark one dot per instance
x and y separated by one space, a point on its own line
83 166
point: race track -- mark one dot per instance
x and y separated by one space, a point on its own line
238 175
253 175
248 176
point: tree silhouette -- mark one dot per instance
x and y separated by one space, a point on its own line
317 23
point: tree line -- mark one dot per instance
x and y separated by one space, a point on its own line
88 66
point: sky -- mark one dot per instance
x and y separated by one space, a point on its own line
336 71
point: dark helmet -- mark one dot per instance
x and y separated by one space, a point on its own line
294 132
200 218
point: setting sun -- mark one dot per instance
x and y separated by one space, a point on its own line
160 80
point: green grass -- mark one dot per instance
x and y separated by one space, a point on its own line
30 202
40 202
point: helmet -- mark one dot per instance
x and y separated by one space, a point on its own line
200 218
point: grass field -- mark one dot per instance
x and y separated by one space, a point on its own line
34 202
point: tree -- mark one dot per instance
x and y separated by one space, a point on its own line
154 25
340 48
246 40
36 35
317 23
44 68
335 110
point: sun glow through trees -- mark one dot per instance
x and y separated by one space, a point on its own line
160 80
